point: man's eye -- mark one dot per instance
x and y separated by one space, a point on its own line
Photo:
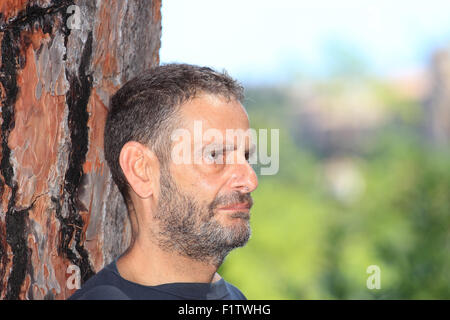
214 156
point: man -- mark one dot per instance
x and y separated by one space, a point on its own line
187 193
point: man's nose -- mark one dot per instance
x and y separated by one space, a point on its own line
244 178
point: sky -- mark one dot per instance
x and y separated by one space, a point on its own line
260 41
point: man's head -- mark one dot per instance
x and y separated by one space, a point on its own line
182 205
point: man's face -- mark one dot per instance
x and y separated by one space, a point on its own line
204 204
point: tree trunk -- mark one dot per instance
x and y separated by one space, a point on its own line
60 210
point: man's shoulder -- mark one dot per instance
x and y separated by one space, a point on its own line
234 292
101 292
101 286
107 284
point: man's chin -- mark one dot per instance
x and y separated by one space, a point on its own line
238 232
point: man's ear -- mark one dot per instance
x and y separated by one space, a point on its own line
139 165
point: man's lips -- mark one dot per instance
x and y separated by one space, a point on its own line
237 206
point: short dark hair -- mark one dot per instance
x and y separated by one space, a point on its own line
145 109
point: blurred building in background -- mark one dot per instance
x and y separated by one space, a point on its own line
437 107
337 117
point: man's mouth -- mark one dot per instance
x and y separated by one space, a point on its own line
245 206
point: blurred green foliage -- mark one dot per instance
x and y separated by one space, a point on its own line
306 244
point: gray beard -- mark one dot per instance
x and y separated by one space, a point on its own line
190 229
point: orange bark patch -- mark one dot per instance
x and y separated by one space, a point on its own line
10 8
34 138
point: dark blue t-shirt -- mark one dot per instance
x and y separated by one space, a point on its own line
108 284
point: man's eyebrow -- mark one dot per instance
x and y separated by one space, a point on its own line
229 147
215 145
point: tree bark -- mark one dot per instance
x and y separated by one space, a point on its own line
60 210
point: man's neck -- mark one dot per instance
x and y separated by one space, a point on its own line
147 264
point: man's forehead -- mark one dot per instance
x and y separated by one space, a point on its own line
214 112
